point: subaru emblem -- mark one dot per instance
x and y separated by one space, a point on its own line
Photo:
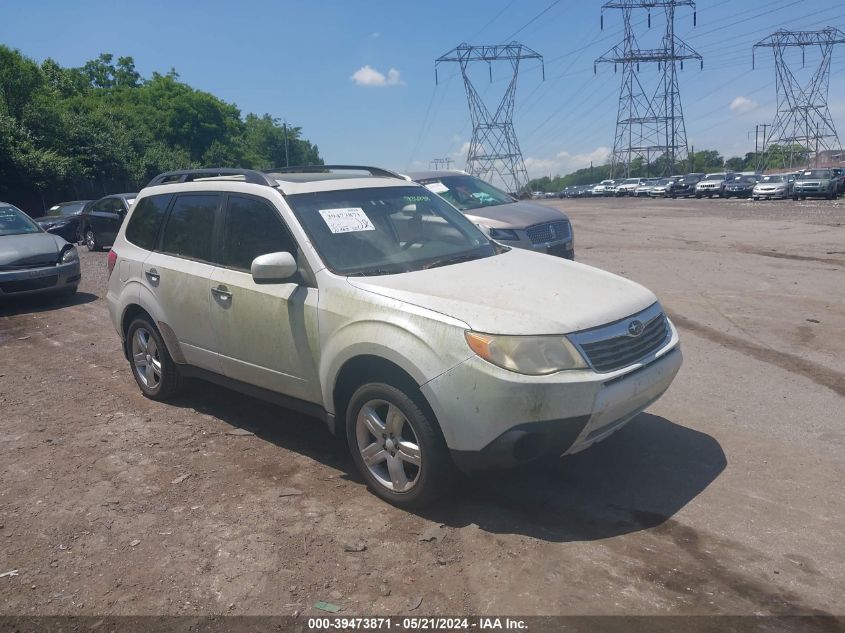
635 327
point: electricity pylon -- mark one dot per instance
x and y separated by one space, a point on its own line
649 125
494 154
803 126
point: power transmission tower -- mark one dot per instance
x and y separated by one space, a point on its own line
803 126
494 153
650 123
440 163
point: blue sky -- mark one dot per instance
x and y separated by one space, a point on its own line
358 76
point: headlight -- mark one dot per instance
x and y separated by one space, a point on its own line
69 254
532 355
504 234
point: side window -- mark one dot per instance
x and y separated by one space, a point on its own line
189 231
145 222
253 228
102 206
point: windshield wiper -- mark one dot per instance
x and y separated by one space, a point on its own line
455 259
373 272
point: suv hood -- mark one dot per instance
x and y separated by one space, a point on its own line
30 249
518 292
516 215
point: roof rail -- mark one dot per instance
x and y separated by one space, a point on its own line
301 169
187 175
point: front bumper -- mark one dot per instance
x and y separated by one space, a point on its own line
39 280
493 418
805 190
770 193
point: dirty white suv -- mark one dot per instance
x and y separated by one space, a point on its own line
371 303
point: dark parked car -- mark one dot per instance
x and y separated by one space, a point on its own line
840 179
31 260
740 186
685 187
100 221
516 223
63 220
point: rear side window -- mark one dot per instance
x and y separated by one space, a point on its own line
253 228
189 231
145 222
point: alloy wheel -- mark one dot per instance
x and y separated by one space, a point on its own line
146 359
388 445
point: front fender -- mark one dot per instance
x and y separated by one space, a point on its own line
422 344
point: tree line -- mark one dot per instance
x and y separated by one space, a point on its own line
704 161
78 133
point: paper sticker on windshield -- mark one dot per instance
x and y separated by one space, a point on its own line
348 220
437 187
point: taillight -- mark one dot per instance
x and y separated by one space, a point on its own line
112 261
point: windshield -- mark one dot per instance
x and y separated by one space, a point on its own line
747 179
714 178
773 179
13 221
387 230
467 192
71 208
664 181
816 173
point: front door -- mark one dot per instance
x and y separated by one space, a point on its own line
267 332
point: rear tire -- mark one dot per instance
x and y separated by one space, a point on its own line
91 240
407 461
152 367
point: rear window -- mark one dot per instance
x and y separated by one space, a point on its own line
145 222
190 228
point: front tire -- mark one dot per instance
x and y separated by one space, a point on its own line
151 364
397 446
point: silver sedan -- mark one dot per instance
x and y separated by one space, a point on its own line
33 261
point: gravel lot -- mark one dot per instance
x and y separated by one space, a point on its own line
726 497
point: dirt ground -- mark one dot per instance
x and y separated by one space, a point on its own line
726 497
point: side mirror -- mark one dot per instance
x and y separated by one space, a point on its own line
273 268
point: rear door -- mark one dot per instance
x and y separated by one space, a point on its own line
267 332
178 276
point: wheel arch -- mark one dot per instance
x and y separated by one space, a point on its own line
362 369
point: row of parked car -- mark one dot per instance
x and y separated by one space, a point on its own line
798 185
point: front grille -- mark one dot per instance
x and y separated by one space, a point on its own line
550 232
29 265
24 285
619 349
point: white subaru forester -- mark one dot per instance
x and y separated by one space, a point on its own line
368 301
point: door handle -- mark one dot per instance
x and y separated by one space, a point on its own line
221 293
152 275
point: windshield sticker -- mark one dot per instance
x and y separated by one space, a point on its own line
437 187
348 220
415 198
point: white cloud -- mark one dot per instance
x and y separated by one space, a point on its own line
369 76
743 104
564 162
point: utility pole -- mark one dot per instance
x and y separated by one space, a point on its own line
494 154
649 122
803 117
287 155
